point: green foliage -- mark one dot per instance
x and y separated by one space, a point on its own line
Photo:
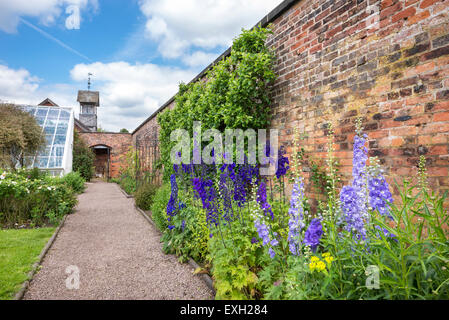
235 261
83 158
159 207
189 236
145 195
236 94
128 170
124 130
20 135
19 250
75 181
36 202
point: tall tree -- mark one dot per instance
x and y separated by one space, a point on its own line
20 135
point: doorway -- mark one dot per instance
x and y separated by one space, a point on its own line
102 161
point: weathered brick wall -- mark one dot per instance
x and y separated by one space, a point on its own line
118 142
394 74
385 61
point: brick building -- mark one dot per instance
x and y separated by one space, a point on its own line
386 61
109 147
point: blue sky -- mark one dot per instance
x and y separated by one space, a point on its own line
138 51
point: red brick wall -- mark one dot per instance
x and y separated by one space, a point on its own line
395 75
332 68
118 142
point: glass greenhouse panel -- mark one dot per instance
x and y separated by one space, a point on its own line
57 125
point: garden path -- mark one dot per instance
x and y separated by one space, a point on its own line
117 252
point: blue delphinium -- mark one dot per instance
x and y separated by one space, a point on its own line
349 198
354 202
283 163
172 206
380 195
296 213
262 199
226 197
313 234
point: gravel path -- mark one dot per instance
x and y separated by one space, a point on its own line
117 252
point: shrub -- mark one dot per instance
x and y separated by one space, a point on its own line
33 202
145 195
83 158
20 135
75 181
159 207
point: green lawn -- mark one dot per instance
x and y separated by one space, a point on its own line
19 250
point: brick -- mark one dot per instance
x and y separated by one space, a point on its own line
441 41
418 17
442 95
404 14
435 53
427 3
441 116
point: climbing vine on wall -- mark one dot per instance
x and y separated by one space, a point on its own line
234 95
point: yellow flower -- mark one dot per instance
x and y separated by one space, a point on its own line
321 266
314 259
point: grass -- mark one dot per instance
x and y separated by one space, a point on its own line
19 250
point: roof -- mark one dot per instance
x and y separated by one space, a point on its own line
270 17
80 125
48 102
87 96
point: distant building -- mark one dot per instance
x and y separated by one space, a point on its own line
57 123
89 102
109 147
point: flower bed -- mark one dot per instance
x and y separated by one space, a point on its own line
29 199
357 244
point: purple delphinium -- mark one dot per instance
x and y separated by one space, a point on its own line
283 163
351 211
354 202
313 234
262 199
296 213
171 205
380 195
226 197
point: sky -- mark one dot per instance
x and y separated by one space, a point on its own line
137 50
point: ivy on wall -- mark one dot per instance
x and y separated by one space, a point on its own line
235 93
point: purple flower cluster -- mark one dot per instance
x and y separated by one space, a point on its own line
313 234
283 163
172 207
354 198
350 204
296 213
262 199
264 233
380 195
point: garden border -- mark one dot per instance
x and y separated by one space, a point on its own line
195 265
19 295
124 192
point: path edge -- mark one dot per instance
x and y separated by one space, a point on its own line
205 277
123 191
19 295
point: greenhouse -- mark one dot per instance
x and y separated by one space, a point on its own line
57 123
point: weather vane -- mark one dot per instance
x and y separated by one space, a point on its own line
88 81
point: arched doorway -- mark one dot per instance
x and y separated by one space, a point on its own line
102 160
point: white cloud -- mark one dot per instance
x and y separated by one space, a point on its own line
199 58
47 11
178 25
17 85
129 93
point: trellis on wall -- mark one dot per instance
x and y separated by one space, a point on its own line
148 155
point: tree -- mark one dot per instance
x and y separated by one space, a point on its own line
20 135
83 157
124 130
